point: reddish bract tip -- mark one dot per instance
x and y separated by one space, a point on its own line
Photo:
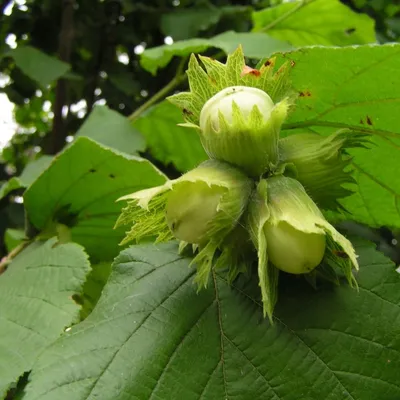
248 70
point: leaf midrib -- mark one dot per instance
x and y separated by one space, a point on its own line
259 305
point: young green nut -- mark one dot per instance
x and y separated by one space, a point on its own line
190 208
294 251
296 242
241 125
207 202
246 98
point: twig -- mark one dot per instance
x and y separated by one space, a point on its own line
12 254
57 139
175 82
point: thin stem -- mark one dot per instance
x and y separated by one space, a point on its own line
13 253
176 81
285 15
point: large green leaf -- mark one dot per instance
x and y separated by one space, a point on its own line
112 129
297 23
255 45
168 142
153 336
30 173
39 66
353 88
36 304
80 190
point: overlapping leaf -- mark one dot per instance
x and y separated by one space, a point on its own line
31 172
80 190
112 129
13 237
353 87
93 287
36 304
152 336
255 45
168 142
39 66
296 22
188 22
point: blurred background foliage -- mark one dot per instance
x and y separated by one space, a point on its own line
96 46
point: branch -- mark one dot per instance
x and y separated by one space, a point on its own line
58 134
13 253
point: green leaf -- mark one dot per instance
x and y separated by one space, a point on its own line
112 129
36 304
187 23
93 287
13 237
353 88
30 173
80 190
255 45
168 142
39 66
153 336
296 23
13 184
158 57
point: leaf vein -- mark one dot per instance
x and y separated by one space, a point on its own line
370 341
254 367
209 379
23 326
377 295
175 350
367 174
133 332
368 378
317 358
221 329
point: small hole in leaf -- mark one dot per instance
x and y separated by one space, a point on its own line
349 31
77 298
305 93
92 170
112 176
